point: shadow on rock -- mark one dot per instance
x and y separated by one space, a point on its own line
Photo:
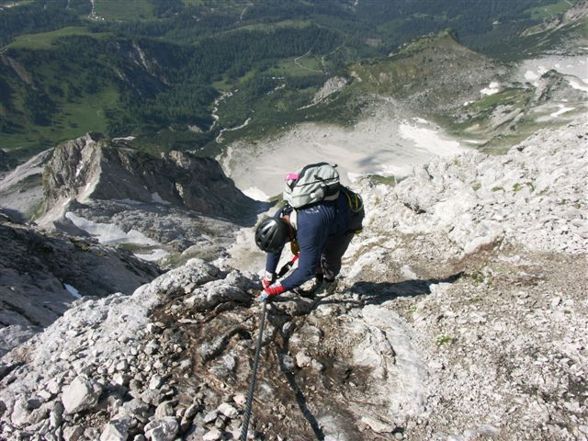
377 293
298 393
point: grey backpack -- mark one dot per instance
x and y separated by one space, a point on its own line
311 184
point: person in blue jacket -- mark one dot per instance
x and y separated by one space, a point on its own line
319 234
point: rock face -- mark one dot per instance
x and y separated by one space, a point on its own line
21 191
331 86
90 168
156 206
457 317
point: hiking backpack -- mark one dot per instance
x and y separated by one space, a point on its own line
311 184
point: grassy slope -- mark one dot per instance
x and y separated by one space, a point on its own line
425 76
86 114
76 114
549 11
398 76
123 9
47 40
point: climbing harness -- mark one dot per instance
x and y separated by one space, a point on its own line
251 391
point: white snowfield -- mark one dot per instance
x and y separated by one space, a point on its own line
72 290
492 89
153 256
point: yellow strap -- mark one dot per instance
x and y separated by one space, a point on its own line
355 204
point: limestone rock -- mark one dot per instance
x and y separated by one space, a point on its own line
303 360
163 429
227 410
446 303
212 435
81 394
116 430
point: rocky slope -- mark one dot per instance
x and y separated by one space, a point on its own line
94 188
41 275
461 316
155 206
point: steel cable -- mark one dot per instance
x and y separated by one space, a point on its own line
251 391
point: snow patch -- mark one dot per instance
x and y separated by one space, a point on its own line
354 177
561 111
531 76
124 138
89 188
257 194
575 65
158 199
74 292
492 89
109 233
79 168
153 256
430 140
580 84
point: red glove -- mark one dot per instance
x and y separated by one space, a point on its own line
268 279
274 290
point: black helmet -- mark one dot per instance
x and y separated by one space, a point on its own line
271 234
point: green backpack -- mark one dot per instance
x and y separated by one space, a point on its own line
311 184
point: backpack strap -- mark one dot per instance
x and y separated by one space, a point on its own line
354 201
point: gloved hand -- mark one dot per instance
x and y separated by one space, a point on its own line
268 279
263 297
273 290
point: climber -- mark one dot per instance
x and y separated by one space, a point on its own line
319 235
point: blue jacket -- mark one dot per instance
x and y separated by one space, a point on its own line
315 225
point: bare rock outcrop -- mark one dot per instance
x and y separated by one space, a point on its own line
92 168
21 190
534 195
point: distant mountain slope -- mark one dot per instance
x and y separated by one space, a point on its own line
72 66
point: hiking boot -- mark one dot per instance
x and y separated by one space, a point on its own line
326 287
330 286
311 288
309 294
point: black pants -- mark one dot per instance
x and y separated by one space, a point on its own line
333 253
